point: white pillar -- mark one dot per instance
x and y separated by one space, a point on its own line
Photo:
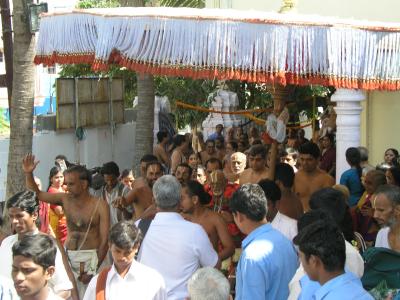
348 110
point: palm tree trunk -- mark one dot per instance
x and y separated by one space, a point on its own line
145 108
22 100
145 118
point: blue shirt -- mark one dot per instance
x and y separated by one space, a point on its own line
214 136
351 179
343 287
267 264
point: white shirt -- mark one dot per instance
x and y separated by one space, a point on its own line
176 248
60 280
382 238
354 263
285 225
118 190
7 291
52 296
141 282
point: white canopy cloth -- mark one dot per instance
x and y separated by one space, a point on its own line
253 46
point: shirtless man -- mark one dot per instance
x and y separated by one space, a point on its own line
193 202
257 163
290 205
143 163
310 178
209 153
159 150
183 173
88 220
141 195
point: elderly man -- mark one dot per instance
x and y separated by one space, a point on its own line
387 214
174 247
237 165
209 283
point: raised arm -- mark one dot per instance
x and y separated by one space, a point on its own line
28 165
272 161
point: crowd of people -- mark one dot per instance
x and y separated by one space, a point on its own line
235 216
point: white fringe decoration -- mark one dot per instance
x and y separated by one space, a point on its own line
314 49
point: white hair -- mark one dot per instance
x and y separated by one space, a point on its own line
167 192
208 284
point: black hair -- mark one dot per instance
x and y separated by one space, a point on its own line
41 248
396 156
313 216
195 188
234 145
185 165
154 162
110 168
311 149
395 171
26 201
258 150
178 140
324 240
161 135
250 201
331 137
148 158
353 157
84 173
285 174
214 160
271 190
125 173
392 192
378 178
210 141
125 235
53 172
333 203
64 158
61 156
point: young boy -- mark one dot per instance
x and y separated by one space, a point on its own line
32 267
126 279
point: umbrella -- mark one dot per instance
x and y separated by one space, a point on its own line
222 44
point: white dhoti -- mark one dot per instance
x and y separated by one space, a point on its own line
82 261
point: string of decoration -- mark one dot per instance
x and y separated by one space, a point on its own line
226 44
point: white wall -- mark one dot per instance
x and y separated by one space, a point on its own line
94 150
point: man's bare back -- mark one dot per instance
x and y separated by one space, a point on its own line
216 229
250 176
290 205
141 197
307 183
208 222
161 154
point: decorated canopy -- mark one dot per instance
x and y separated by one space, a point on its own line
252 46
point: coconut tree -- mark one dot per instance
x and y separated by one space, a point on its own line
22 99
